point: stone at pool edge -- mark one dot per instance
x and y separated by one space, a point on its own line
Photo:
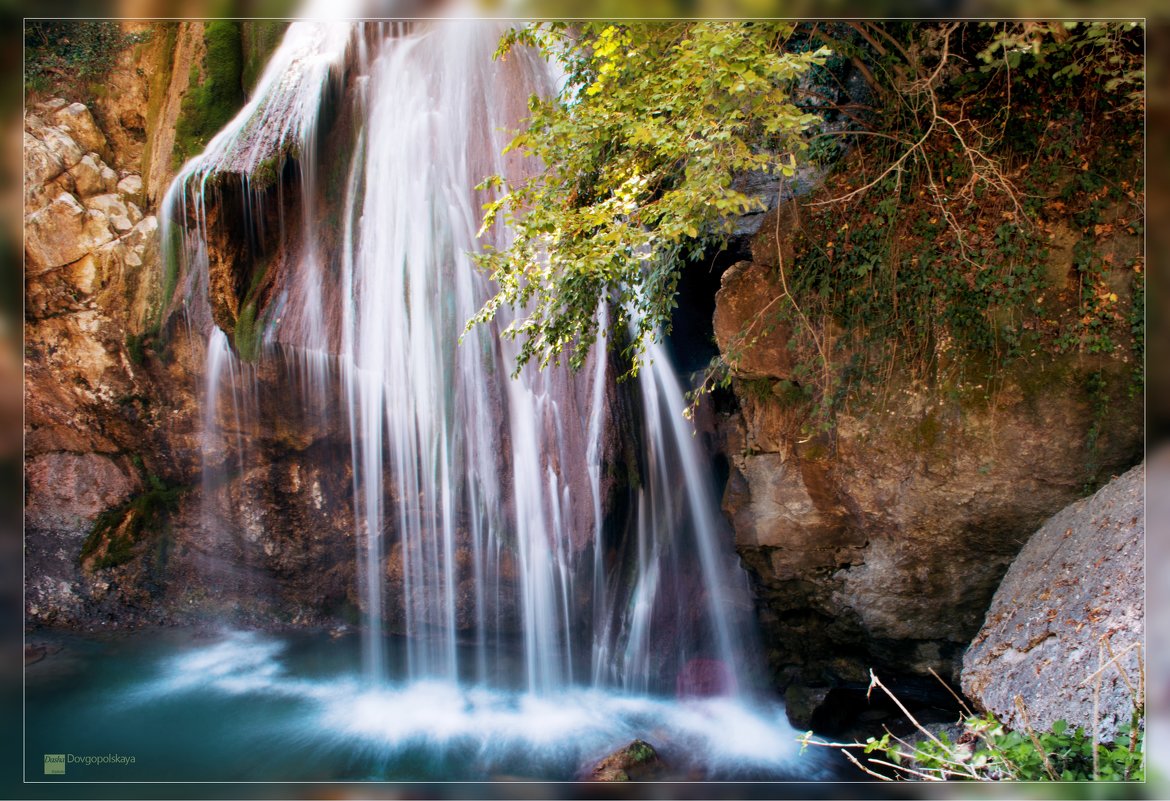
637 761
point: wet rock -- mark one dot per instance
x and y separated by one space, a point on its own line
1064 630
802 703
704 678
62 233
637 761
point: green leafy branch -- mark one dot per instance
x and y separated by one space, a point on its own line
639 153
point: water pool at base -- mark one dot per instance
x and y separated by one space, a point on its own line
249 706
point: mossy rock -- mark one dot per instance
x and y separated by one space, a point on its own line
117 532
259 39
638 761
215 91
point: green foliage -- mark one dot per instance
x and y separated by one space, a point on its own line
215 92
639 156
260 37
1137 328
1108 53
988 750
135 349
930 246
71 57
248 334
116 532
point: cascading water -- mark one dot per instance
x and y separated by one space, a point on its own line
491 531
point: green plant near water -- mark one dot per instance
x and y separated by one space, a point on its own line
986 750
989 751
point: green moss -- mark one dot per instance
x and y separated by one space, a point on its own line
641 751
265 173
927 432
260 37
215 92
138 345
789 393
118 531
172 246
248 333
758 388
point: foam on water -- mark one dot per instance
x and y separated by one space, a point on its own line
726 736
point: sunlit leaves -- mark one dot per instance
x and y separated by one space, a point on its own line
639 153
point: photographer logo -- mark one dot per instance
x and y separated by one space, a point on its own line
55 763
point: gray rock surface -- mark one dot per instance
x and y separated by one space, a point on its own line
1064 630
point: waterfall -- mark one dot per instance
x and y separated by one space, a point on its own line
484 509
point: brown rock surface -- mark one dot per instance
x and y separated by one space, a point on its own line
753 340
68 490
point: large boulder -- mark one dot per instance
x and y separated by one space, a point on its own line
91 176
1064 631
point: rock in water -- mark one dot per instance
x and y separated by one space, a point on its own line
1071 602
637 761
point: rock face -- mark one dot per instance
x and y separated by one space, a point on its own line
92 283
62 233
754 344
879 542
114 435
68 490
1071 602
132 514
881 547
